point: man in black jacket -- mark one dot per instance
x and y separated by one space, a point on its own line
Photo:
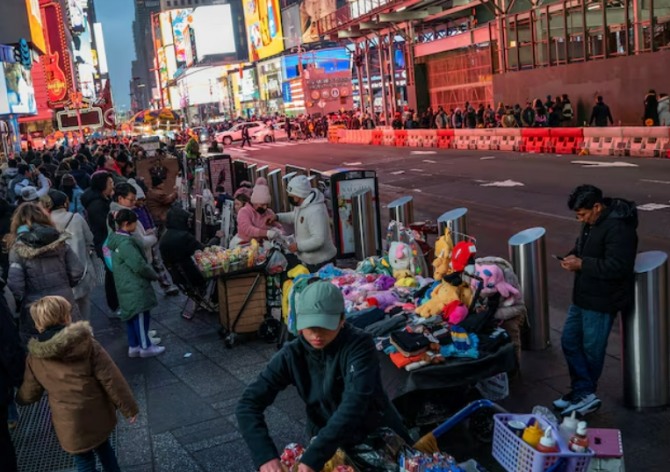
12 365
335 369
603 262
601 113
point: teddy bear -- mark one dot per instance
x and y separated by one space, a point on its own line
400 258
442 295
443 248
493 281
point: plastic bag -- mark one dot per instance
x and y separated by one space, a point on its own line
378 453
494 388
277 263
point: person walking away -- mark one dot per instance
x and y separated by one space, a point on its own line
664 110
133 275
12 365
40 263
601 113
80 175
245 136
70 188
554 118
567 112
313 244
603 261
287 127
471 118
81 242
650 117
84 386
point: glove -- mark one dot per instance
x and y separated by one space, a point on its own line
272 233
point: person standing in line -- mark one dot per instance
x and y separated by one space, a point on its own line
650 117
601 113
602 261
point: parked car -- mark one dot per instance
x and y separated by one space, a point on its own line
235 133
264 134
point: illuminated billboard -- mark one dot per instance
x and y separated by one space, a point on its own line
35 22
180 25
166 28
213 30
18 93
264 29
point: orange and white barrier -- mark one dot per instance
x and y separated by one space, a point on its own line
646 141
602 141
388 138
509 139
461 139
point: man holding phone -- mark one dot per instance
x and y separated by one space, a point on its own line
603 261
25 179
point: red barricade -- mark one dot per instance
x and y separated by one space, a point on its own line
377 137
566 140
400 137
445 138
534 139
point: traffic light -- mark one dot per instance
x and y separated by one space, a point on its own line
22 54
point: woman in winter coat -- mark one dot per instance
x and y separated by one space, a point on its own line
40 264
84 386
81 242
133 275
252 219
650 117
664 110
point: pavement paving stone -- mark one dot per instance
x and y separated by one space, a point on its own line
231 456
134 446
174 406
148 467
170 456
207 379
177 352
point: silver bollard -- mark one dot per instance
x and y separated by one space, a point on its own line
402 210
527 253
286 179
288 168
263 172
364 224
251 171
313 181
646 355
276 186
456 221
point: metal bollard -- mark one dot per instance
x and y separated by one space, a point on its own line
240 173
263 172
288 168
313 181
251 170
276 185
527 253
456 221
285 180
364 224
646 355
402 210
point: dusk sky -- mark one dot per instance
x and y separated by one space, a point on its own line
116 17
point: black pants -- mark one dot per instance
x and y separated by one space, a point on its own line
110 291
7 454
246 140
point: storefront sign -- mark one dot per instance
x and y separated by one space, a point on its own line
55 77
264 28
58 64
327 92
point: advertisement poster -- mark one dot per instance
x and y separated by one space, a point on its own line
327 92
213 31
180 24
20 90
290 18
35 21
311 11
264 28
345 189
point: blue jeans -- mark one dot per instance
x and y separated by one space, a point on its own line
85 462
584 343
138 330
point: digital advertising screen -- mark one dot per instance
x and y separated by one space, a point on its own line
290 18
18 90
264 28
213 29
180 25
330 60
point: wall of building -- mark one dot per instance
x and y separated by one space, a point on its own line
622 81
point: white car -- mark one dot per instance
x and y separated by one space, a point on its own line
235 133
265 133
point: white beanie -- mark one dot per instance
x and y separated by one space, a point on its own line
299 186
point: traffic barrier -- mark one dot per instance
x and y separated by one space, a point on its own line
377 137
566 140
388 137
429 137
461 139
603 141
509 139
400 137
414 138
535 139
484 139
444 138
644 141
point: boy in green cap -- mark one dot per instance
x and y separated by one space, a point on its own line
335 369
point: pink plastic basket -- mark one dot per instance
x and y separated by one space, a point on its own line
515 455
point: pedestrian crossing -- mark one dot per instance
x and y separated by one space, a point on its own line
235 149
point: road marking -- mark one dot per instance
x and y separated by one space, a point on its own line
416 170
428 161
652 181
652 206
503 183
350 164
398 172
487 158
589 164
423 153
418 190
542 213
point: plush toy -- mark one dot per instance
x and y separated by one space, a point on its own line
463 256
494 282
443 249
400 258
381 300
455 312
384 282
442 295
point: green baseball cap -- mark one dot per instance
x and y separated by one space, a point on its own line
320 305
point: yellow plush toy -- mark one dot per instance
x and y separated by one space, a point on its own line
442 295
443 248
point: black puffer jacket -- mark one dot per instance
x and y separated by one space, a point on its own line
12 356
41 264
97 208
607 249
178 244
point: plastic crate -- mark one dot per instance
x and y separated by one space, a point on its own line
515 455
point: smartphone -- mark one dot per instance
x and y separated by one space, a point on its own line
558 258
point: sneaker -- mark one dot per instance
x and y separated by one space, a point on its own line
155 339
171 291
152 351
583 406
188 315
152 333
563 402
134 351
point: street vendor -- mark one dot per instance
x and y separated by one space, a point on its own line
313 244
335 370
253 219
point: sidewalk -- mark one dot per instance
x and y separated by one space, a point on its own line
187 398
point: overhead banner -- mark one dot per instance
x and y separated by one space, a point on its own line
264 29
327 92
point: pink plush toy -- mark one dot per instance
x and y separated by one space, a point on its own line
455 312
494 282
381 300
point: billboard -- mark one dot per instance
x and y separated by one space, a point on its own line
330 60
35 22
290 20
264 29
310 13
248 89
166 28
76 12
101 51
327 92
180 25
17 94
213 29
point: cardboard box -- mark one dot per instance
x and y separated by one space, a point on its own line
232 293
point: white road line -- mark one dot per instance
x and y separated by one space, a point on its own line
652 181
589 164
398 172
652 206
416 170
350 164
428 161
423 153
487 158
503 183
542 213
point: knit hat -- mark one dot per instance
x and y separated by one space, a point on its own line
320 305
29 194
68 180
58 198
138 190
261 193
299 186
461 255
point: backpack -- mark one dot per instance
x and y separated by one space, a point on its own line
107 254
567 111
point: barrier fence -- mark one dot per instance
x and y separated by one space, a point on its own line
613 141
